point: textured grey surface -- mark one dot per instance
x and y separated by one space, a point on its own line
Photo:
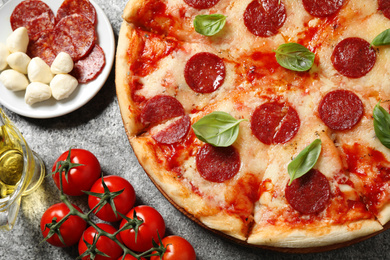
98 127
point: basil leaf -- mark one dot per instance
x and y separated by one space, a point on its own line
217 128
382 39
209 24
294 56
382 125
305 160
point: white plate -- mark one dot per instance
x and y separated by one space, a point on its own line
14 101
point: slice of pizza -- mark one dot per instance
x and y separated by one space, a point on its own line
148 65
318 209
367 161
215 186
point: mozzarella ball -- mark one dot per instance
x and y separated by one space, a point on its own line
19 61
13 80
37 92
62 64
18 40
63 85
3 56
39 71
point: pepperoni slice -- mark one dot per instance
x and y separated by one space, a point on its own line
175 132
341 109
201 4
39 26
42 48
274 123
217 164
89 68
75 35
353 57
204 72
160 108
35 15
264 17
322 8
310 193
83 7
384 6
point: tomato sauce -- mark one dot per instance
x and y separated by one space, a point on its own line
154 18
151 50
372 168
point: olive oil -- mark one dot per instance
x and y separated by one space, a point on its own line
11 160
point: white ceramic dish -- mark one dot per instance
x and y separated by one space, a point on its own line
14 101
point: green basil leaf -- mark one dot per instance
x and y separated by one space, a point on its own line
209 24
217 128
294 56
305 160
382 39
382 125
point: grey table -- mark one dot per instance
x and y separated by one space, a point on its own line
98 127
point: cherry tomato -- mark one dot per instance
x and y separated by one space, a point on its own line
153 223
80 178
104 244
123 202
130 257
178 249
71 230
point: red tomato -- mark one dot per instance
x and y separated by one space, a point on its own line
178 249
71 230
123 202
80 178
130 257
153 223
104 244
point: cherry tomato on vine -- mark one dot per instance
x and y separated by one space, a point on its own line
153 223
104 244
123 202
71 230
80 178
178 248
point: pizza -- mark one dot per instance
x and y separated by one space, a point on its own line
262 120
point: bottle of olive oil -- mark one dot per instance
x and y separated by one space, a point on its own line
11 159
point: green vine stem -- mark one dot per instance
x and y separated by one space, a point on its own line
63 167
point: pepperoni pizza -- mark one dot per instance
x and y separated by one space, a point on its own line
174 80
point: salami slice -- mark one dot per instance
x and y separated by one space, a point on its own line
175 132
161 108
75 35
89 68
39 26
322 8
83 7
217 164
264 17
274 123
341 109
310 193
42 48
384 6
201 4
204 72
35 15
353 57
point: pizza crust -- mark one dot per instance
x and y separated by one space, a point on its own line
131 9
128 40
314 237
